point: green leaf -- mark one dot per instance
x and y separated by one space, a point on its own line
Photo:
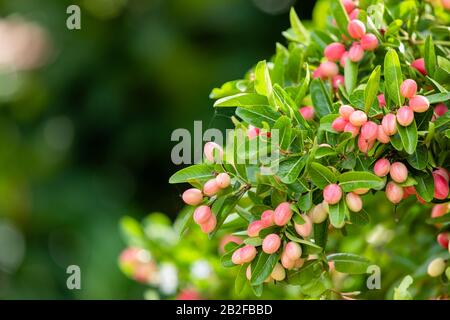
439 97
393 77
288 106
359 218
305 202
353 180
442 120
297 26
401 292
263 84
419 158
349 263
303 89
327 121
320 98
257 115
262 267
320 175
372 88
196 172
409 137
283 124
312 269
241 279
338 212
230 88
430 55
425 186
340 15
221 208
350 75
308 246
132 231
230 248
289 169
184 220
321 233
242 100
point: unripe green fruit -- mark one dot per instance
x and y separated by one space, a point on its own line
436 267
278 273
447 273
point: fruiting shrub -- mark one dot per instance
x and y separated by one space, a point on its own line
383 128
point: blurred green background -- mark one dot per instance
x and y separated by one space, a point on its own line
86 117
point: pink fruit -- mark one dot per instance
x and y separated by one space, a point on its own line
267 218
271 243
369 42
236 257
332 193
365 145
405 116
286 261
248 253
354 202
343 59
211 188
348 5
319 213
446 4
209 225
440 109
223 180
358 118
407 191
212 148
352 129
408 88
339 124
443 172
252 132
307 113
394 192
369 130
329 69
282 214
356 29
439 210
382 167
299 263
345 111
381 100
440 187
382 137
293 250
334 51
419 65
305 229
443 239
227 239
356 52
361 191
389 124
255 227
419 103
192 197
354 14
398 172
202 214
318 73
338 80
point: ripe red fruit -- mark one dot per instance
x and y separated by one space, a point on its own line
223 180
293 250
343 59
255 227
405 116
369 42
356 52
440 186
354 130
211 188
252 132
329 69
339 124
443 239
211 149
369 130
307 113
282 214
398 172
202 214
354 202
382 167
345 111
443 172
334 51
439 210
354 14
332 193
356 29
394 192
267 218
271 243
349 5
305 229
382 137
318 73
389 124
358 118
192 197
338 80
381 100
440 109
419 103
419 65
209 225
408 88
